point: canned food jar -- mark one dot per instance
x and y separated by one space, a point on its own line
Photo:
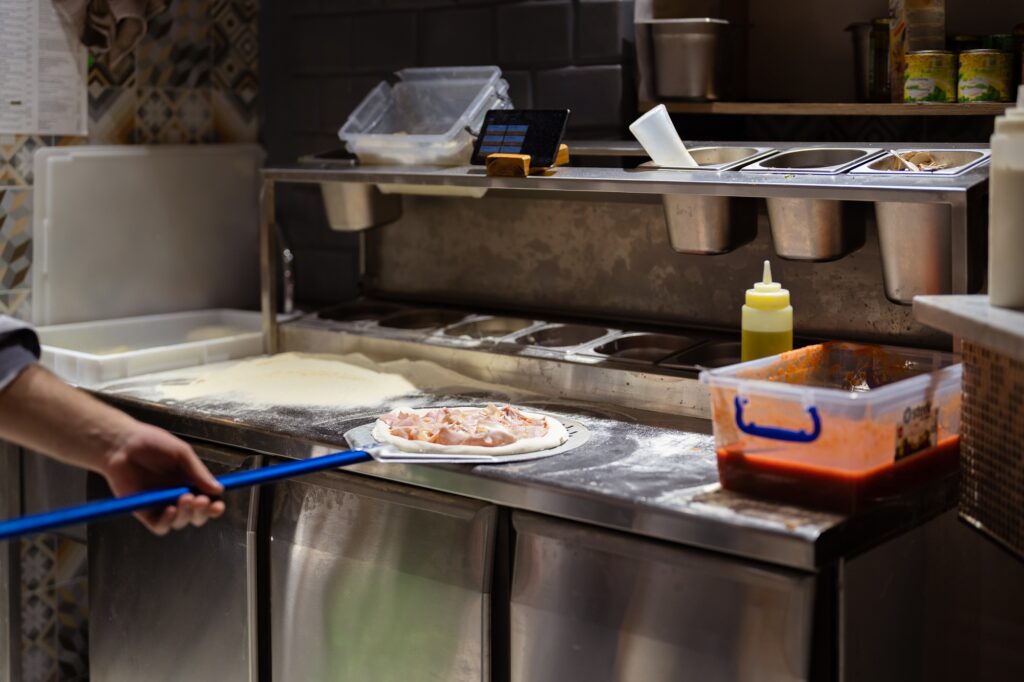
985 76
930 76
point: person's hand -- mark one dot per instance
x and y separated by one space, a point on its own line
144 458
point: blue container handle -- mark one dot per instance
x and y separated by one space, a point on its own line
774 432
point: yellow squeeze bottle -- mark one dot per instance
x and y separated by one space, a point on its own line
767 326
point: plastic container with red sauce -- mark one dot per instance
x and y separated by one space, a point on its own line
838 426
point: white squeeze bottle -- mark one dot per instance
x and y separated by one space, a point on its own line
1006 210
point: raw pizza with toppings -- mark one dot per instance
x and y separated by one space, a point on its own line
491 430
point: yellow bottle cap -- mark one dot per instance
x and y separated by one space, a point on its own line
766 294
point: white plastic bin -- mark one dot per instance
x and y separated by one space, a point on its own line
90 353
422 119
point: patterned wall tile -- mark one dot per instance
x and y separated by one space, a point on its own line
174 116
15 238
175 52
73 629
16 153
235 52
72 560
38 561
17 303
39 651
112 101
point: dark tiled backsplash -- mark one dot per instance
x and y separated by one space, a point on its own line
328 54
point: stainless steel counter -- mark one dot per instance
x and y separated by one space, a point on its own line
641 472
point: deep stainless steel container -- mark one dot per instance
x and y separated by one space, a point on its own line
917 255
353 207
688 57
709 224
815 229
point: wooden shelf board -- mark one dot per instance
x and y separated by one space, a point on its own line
832 108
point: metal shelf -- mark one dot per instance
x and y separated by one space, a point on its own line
833 108
916 188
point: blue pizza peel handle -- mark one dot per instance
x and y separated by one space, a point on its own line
102 509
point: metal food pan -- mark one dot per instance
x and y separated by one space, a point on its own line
489 328
361 311
959 161
814 160
562 336
718 158
421 320
709 355
639 347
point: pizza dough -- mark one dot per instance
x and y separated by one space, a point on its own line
554 436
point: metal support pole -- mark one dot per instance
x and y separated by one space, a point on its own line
268 268
959 243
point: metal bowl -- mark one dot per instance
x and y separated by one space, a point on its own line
422 319
356 312
644 347
562 336
492 327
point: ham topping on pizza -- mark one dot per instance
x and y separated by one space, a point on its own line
482 426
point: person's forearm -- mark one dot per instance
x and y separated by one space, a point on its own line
40 412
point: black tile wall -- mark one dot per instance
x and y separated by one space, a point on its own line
322 56
319 58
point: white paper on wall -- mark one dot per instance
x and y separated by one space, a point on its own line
43 72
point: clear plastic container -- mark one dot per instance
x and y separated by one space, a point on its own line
423 119
838 426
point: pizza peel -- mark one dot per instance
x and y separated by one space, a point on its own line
364 449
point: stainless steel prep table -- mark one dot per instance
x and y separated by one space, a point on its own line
637 505
644 473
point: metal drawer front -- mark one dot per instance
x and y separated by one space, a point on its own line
177 607
594 605
374 581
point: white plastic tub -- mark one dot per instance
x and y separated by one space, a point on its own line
90 353
422 119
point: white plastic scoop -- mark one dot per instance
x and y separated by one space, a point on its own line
656 134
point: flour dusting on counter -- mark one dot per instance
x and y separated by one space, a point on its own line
293 379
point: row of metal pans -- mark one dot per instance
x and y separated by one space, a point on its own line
579 342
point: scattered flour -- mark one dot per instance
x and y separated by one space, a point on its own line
304 379
293 379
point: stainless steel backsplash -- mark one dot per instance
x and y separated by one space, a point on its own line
611 259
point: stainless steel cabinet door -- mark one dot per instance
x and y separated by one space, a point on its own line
593 605
375 581
179 607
